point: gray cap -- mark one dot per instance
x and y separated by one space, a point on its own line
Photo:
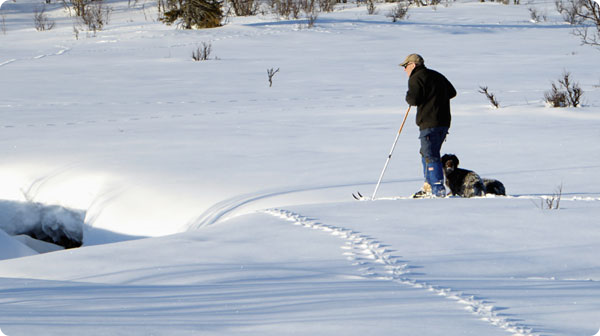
413 58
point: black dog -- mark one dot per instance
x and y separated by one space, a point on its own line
466 183
494 187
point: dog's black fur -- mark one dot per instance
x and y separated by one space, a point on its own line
467 183
493 186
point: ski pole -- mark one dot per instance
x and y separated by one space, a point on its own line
389 156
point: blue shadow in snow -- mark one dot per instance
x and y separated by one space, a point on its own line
484 27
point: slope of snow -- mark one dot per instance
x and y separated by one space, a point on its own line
349 268
12 248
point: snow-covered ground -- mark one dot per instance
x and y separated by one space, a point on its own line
216 205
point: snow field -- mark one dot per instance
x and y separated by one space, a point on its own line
125 128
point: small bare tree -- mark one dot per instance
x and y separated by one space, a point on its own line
41 20
585 14
271 73
202 53
490 96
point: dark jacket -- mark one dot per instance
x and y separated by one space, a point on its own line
431 92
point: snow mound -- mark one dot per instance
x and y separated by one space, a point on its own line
11 248
50 223
37 245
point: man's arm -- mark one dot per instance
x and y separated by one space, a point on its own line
414 93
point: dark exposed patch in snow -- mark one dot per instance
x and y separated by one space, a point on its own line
51 223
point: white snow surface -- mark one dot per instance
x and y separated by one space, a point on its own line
217 205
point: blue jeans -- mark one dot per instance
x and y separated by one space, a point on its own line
431 144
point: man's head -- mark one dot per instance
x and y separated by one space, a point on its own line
411 62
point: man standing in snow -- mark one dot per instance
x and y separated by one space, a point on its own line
431 92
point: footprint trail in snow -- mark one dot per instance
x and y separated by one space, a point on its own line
377 262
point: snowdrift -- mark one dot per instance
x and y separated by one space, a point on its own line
48 223
11 248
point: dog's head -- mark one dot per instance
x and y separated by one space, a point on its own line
450 163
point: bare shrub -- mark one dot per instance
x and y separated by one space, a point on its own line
161 6
569 93
295 8
536 16
202 53
556 97
93 14
574 91
41 20
399 12
585 14
590 12
418 3
96 16
244 7
371 7
271 73
552 202
311 10
569 10
327 5
78 6
312 18
286 8
292 9
490 96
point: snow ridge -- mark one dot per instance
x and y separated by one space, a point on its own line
377 262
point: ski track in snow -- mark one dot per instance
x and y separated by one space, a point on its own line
377 262
228 207
61 51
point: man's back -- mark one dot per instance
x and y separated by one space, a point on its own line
431 92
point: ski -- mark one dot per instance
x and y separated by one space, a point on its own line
358 196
